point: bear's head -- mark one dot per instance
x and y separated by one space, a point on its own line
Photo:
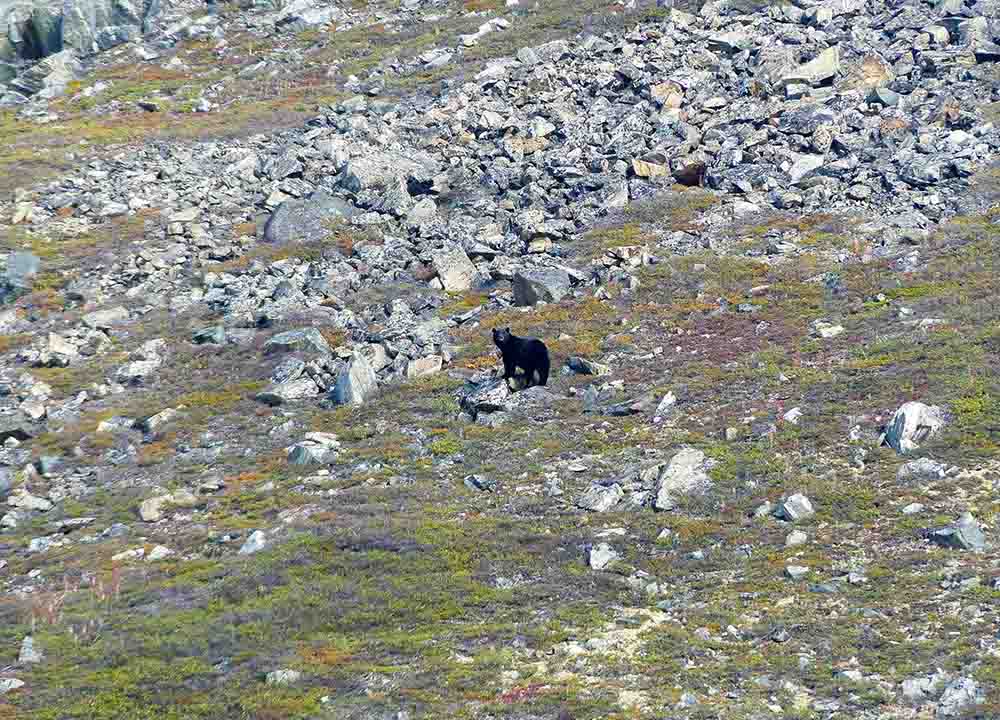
501 336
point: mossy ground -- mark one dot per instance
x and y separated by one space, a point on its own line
407 589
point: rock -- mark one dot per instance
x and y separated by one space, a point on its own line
821 69
922 469
288 391
283 677
22 267
912 424
794 508
11 429
422 213
8 684
455 269
487 397
917 690
601 556
153 423
913 509
424 366
255 543
305 339
29 653
22 499
307 220
316 448
540 284
151 510
961 695
666 408
649 170
214 335
356 382
601 498
481 483
965 534
796 572
796 537
586 367
105 319
824 329
159 552
134 373
685 474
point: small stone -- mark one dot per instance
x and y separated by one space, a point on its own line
913 509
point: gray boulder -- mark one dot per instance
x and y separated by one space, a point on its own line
455 269
356 382
307 220
685 474
21 270
305 339
315 449
540 284
964 534
961 695
600 498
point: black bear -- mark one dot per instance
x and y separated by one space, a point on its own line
529 354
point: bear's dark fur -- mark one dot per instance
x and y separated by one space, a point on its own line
529 354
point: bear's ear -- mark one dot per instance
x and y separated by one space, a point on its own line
507 329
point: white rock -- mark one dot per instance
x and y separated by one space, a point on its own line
255 543
601 556
912 424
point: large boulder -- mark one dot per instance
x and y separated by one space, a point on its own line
685 474
540 285
356 382
912 424
455 269
305 339
307 220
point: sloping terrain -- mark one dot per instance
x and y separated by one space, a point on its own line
258 462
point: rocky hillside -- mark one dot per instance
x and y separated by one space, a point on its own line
256 457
